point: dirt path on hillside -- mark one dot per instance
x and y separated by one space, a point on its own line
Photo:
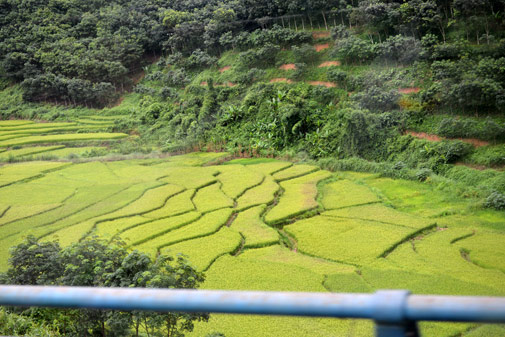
435 138
329 64
325 84
409 90
280 79
288 66
323 46
320 35
225 68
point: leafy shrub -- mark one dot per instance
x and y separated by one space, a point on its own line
495 200
423 174
305 54
176 78
200 59
340 32
377 99
278 35
353 48
400 49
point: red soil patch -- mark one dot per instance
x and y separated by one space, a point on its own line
329 64
320 35
223 69
408 90
325 84
289 66
435 138
323 46
280 79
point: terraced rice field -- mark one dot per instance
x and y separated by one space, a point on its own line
23 140
266 225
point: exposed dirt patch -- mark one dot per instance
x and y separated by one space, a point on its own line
289 66
223 69
424 135
203 83
435 138
409 90
329 64
280 79
325 84
323 46
320 35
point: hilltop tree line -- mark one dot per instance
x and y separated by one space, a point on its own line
85 52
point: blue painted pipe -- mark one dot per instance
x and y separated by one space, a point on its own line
391 306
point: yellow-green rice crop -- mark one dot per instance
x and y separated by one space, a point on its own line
261 194
210 198
206 225
345 193
299 196
68 151
256 233
381 213
11 123
236 179
435 255
415 197
16 172
294 171
347 240
114 227
188 177
61 138
152 229
27 151
33 126
203 251
274 268
13 136
486 249
269 168
17 212
177 204
197 158
152 199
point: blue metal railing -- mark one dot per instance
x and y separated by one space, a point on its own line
395 312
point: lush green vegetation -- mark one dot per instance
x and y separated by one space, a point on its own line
343 231
361 143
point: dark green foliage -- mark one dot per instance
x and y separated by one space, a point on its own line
97 263
496 200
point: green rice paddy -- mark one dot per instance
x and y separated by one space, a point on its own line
27 140
263 225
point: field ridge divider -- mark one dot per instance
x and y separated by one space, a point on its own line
194 237
412 235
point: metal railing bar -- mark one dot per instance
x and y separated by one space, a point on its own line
385 306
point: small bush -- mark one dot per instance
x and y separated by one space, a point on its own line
496 200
